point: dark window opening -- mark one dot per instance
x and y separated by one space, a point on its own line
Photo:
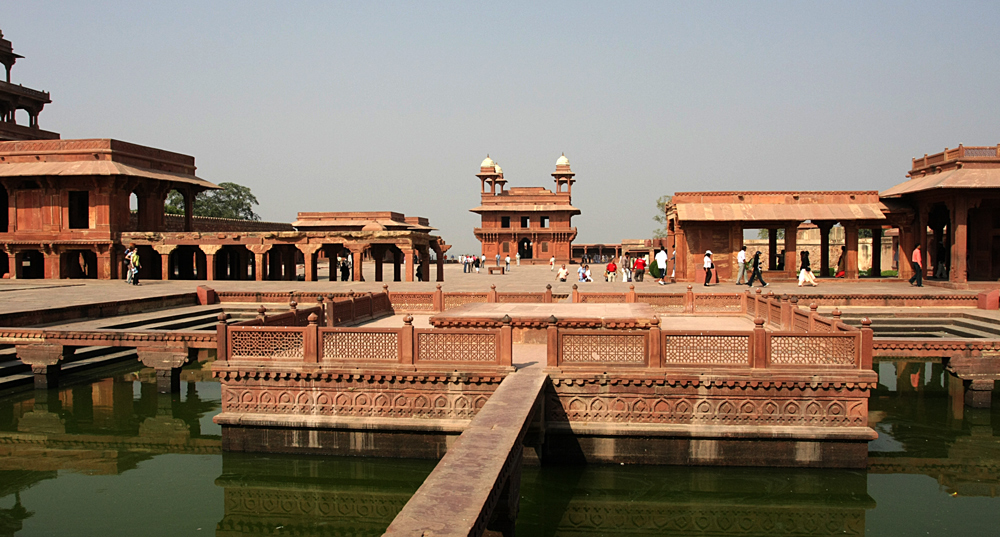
79 210
504 221
544 221
525 222
4 210
545 247
506 247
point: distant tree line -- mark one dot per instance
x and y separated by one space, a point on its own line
231 201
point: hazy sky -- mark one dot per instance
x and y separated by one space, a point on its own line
320 106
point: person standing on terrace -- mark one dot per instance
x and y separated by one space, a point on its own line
562 274
552 263
661 263
708 265
741 260
917 262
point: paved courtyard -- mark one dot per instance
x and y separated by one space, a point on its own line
26 295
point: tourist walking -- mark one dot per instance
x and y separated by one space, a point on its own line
708 265
552 263
741 260
662 260
506 264
917 262
517 257
611 271
756 275
128 263
475 264
498 260
562 274
639 269
805 270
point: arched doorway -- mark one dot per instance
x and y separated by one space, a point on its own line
524 248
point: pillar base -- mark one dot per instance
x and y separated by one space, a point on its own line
46 376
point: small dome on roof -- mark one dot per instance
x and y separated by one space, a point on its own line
563 161
487 162
498 169
373 226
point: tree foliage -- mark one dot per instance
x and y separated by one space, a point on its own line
661 217
232 201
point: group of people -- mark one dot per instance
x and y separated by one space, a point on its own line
132 265
630 269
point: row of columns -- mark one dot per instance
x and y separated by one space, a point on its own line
62 261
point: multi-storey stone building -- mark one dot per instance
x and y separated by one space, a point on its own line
531 221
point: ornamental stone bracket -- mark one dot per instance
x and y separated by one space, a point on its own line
167 361
45 361
980 373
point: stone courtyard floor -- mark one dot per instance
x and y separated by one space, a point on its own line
27 295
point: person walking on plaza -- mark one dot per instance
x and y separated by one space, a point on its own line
805 270
662 259
506 264
755 275
917 262
708 265
128 263
498 259
475 264
612 271
639 269
517 257
552 263
741 260
562 274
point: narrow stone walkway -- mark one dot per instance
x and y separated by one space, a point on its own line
475 486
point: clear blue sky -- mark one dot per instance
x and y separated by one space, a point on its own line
321 106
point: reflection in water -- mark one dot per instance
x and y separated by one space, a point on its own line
73 460
315 495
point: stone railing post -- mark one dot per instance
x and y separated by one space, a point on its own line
354 312
576 294
655 359
406 341
547 299
552 342
491 297
262 315
689 300
786 312
506 342
321 304
310 340
812 316
222 339
438 299
867 336
630 295
293 307
759 345
756 304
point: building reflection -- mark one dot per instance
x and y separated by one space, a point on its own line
925 428
315 495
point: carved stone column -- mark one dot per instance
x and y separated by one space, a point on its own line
44 360
357 259
309 253
164 250
260 271
167 361
851 241
408 260
210 251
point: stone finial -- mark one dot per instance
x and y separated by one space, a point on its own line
759 322
439 287
350 293
313 318
690 288
319 299
655 321
759 290
631 287
794 300
548 286
574 286
552 319
866 323
813 307
836 314
385 288
261 310
493 287
407 319
330 296
222 317
505 319
293 304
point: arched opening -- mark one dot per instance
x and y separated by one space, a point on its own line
524 248
187 263
4 264
133 212
233 262
30 264
78 264
149 263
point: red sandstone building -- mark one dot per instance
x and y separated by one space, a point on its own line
531 221
14 97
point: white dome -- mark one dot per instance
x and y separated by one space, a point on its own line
487 162
498 169
563 161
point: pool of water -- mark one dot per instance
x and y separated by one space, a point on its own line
113 457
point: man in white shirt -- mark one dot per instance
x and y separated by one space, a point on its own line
661 264
741 260
506 262
708 266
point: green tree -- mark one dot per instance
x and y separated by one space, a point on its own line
232 201
661 217
762 233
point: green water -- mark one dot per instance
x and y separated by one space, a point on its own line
113 457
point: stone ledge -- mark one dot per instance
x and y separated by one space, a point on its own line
713 431
342 422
